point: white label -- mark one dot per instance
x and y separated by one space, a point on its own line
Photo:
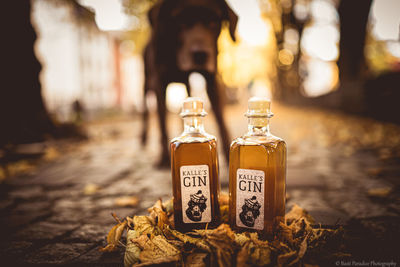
250 198
195 190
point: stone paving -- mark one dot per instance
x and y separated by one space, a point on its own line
60 213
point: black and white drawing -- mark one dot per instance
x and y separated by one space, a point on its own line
250 211
196 206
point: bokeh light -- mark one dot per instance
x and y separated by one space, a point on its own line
321 78
251 27
109 14
176 93
321 41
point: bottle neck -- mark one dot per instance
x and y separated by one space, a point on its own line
258 126
193 124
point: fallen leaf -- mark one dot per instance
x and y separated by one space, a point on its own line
285 259
114 236
196 260
158 216
379 192
296 212
151 240
156 249
127 201
199 243
169 206
51 153
91 189
143 225
303 248
374 171
243 255
163 261
132 251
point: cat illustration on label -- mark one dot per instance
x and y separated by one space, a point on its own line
196 206
250 211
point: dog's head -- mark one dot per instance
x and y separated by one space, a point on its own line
190 30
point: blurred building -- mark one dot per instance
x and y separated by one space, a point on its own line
80 62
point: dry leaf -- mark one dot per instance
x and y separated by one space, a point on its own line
156 249
296 213
91 189
199 243
158 216
287 258
132 251
164 261
303 248
196 260
169 206
243 255
127 201
114 236
374 171
153 241
221 241
380 192
51 153
143 225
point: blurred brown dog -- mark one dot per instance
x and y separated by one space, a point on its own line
184 40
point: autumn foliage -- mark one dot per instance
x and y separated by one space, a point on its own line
152 240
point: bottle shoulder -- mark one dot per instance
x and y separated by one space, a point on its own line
194 138
255 140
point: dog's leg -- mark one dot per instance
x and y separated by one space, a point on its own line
188 88
145 114
162 117
214 94
147 60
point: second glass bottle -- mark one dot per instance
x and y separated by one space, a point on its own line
257 174
194 165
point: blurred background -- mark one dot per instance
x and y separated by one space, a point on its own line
72 99
292 51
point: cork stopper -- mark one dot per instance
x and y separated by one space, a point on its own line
193 106
259 107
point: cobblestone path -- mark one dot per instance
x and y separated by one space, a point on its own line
343 170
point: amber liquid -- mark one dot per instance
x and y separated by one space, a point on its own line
268 155
196 153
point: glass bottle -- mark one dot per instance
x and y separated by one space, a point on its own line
194 167
257 174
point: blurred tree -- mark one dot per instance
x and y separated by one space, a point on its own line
353 21
352 67
138 10
359 90
23 116
353 70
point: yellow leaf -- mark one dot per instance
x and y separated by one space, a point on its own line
114 236
380 192
91 189
132 251
127 201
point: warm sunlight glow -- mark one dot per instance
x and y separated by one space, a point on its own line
285 57
260 88
109 14
385 19
176 93
321 41
321 77
324 11
252 29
